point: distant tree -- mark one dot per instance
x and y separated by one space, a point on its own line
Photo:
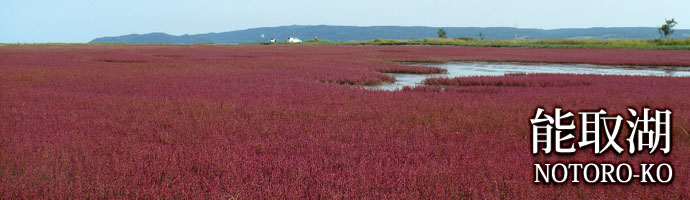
481 36
441 33
667 29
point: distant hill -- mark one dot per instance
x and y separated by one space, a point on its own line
361 33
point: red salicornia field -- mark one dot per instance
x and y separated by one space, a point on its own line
254 122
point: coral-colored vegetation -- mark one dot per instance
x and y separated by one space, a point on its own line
512 80
409 69
82 121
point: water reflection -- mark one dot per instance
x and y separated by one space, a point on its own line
464 69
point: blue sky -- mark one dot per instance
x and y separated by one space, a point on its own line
82 20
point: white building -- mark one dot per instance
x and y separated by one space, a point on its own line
293 40
273 40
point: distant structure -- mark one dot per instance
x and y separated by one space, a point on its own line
516 31
273 40
293 40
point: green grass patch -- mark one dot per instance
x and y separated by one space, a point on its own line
677 44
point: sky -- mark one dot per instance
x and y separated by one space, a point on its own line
38 21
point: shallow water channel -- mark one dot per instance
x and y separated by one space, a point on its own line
464 69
